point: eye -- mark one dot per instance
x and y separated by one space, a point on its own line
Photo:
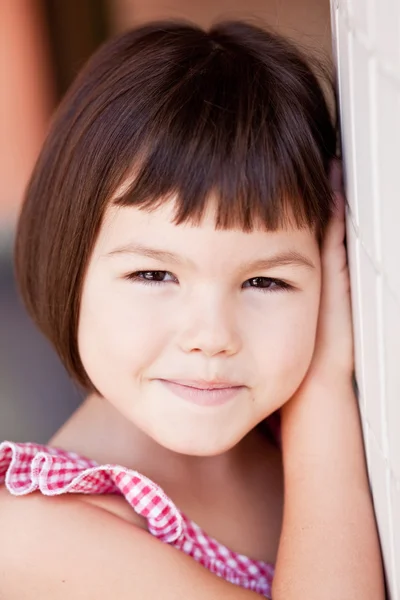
151 277
267 284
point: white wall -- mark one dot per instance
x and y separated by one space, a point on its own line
366 39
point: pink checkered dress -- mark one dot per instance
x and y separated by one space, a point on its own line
27 467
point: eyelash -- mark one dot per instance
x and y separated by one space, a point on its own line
281 286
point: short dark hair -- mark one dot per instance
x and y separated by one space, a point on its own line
236 110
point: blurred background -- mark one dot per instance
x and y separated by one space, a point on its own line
43 44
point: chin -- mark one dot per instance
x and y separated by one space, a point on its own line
197 443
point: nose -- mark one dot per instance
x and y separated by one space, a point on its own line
209 327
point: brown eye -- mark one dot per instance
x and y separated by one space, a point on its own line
266 284
151 277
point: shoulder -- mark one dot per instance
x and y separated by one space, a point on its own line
31 505
48 542
57 547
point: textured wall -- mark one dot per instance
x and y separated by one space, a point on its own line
366 39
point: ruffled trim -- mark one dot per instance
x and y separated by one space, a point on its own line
28 467
236 568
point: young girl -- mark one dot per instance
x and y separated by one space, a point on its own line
181 245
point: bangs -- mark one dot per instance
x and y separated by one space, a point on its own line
230 124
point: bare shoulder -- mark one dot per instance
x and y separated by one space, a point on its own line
61 547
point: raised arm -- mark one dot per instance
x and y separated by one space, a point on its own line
329 548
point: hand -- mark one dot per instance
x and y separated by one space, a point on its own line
334 347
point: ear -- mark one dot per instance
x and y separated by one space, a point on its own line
336 175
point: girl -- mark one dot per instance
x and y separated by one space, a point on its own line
179 246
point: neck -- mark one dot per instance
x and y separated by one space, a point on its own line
98 431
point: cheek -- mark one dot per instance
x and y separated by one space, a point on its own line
286 352
297 344
118 332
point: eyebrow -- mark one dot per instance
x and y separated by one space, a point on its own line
287 258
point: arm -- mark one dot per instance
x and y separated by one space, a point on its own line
329 547
63 548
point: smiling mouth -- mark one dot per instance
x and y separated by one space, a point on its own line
202 384
203 393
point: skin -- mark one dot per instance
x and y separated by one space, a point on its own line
206 320
329 547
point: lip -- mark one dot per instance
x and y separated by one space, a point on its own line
203 384
203 393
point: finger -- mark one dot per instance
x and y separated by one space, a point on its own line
336 175
337 186
336 228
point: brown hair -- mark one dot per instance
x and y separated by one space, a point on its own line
235 110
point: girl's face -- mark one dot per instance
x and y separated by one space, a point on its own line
194 305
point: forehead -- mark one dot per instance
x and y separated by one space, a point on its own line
124 225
